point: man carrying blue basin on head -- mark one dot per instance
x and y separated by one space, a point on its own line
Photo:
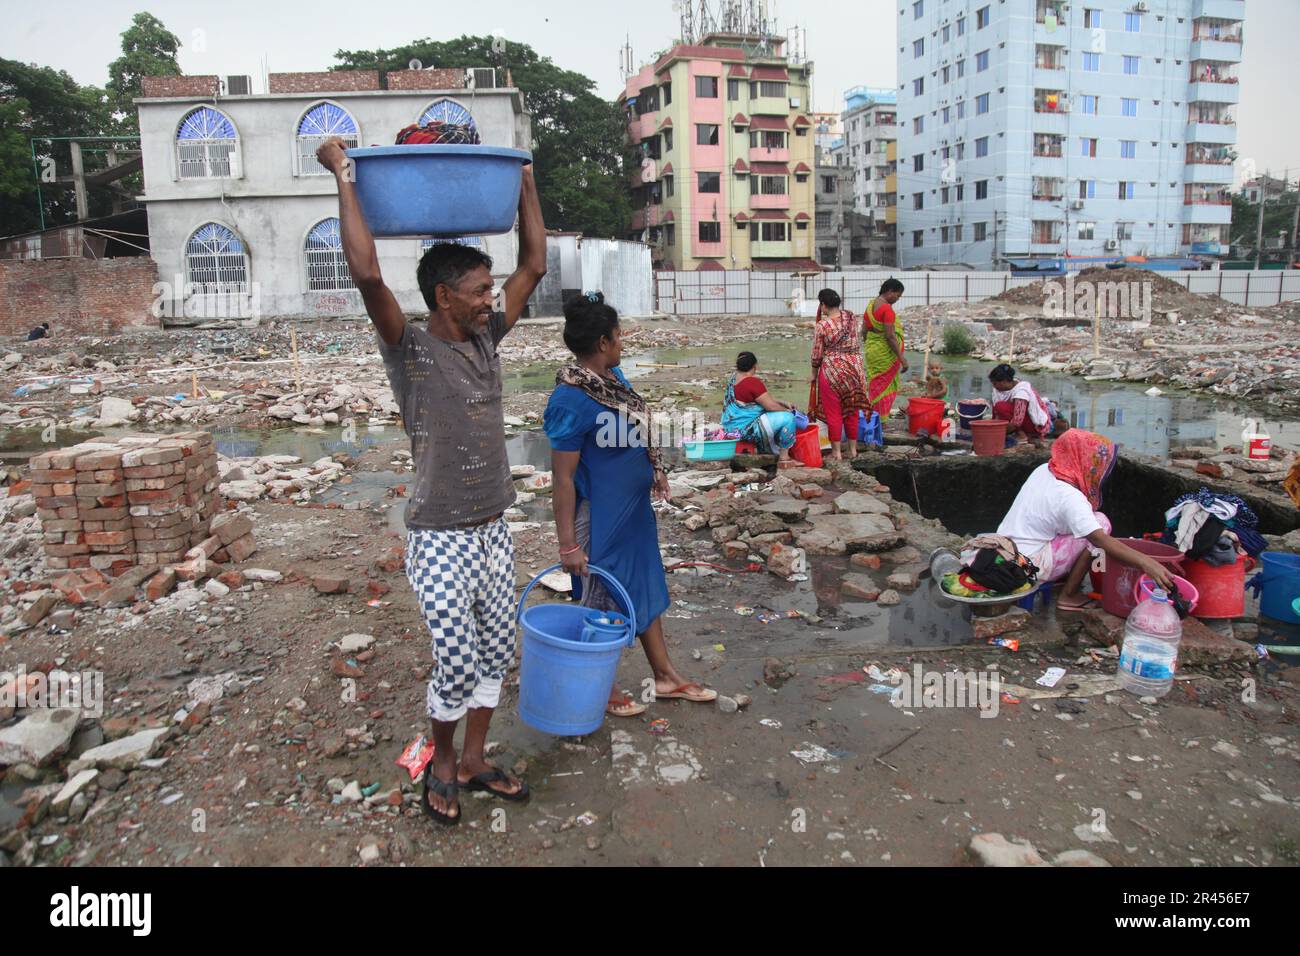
446 379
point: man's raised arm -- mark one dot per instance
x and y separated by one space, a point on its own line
532 251
359 247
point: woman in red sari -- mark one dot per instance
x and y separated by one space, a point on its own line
840 381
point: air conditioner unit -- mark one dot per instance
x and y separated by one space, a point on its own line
1112 245
1077 204
794 102
1064 107
237 86
481 78
1140 7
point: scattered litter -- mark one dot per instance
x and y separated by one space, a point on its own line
719 647
1010 643
770 722
744 611
586 819
658 726
1008 698
416 756
882 688
1051 676
891 676
812 753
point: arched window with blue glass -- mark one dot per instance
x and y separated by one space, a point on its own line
206 145
447 111
216 260
327 268
318 124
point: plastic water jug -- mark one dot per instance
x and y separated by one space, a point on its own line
1149 656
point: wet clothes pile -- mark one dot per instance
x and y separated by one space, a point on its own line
992 565
1213 528
437 132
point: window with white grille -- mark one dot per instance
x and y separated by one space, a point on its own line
206 145
321 122
447 111
327 269
216 261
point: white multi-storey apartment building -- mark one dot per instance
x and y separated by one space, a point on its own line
1041 128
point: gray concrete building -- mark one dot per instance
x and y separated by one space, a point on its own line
243 220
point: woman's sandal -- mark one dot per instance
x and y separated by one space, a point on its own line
448 792
483 782
701 695
626 707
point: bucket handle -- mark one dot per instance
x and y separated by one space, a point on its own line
619 592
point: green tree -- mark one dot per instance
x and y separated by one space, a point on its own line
148 49
579 136
1279 216
35 102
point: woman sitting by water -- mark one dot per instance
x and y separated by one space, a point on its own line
1016 401
1056 523
603 471
840 381
750 409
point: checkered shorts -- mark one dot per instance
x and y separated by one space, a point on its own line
464 580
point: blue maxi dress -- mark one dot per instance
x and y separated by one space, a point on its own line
614 477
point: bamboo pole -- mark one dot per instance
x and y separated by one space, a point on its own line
297 369
194 384
1011 349
929 333
1096 334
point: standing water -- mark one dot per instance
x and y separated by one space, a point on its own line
1150 653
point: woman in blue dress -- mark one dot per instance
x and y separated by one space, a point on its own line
604 468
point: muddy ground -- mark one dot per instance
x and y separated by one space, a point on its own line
1209 775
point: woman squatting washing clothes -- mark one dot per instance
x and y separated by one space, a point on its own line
1056 520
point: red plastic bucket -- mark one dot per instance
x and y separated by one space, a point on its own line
1222 587
1121 579
807 447
990 436
924 414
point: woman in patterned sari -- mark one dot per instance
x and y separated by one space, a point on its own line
885 362
840 379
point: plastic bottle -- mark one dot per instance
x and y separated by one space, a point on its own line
1150 654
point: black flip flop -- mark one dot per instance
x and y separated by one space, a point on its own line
448 791
481 782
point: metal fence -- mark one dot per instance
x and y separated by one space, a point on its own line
743 292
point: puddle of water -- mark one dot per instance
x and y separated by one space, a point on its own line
1150 425
10 811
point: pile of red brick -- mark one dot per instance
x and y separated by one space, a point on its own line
141 500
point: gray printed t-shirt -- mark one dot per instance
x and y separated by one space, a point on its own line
449 394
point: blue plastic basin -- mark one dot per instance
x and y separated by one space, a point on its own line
430 190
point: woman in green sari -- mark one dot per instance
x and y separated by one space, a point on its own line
884 334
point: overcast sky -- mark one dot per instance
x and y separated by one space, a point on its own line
851 43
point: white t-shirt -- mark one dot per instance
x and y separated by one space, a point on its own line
1047 507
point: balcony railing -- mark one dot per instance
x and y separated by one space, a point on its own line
1220 198
1044 63
1047 197
1222 157
1211 74
1048 152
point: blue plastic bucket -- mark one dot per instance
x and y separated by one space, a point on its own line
435 190
970 410
564 680
1278 586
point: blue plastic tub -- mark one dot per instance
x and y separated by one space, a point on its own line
711 450
1278 586
431 190
568 666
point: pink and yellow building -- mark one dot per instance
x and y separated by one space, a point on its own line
723 139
